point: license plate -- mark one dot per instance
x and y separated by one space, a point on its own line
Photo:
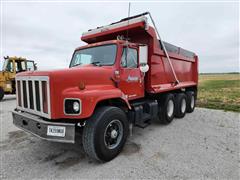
56 131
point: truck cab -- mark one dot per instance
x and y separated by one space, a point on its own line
119 55
125 76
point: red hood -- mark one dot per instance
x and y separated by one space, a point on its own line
65 83
90 75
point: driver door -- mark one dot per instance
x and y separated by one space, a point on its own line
131 79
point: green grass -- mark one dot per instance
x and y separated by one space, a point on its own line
219 91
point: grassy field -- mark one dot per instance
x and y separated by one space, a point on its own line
219 91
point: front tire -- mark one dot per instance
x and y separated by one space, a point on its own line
1 93
105 133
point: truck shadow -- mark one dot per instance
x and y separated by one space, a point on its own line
64 156
60 155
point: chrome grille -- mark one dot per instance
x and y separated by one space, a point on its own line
33 95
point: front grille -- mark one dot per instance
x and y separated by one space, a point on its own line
33 95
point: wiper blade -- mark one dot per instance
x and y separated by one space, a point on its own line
76 64
96 63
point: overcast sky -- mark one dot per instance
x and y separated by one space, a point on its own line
49 32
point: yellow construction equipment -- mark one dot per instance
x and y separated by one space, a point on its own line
12 66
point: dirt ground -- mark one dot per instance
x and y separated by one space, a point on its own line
204 144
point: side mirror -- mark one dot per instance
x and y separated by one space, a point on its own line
35 66
143 58
144 68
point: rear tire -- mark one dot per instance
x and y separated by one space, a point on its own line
166 109
1 93
191 101
105 133
181 105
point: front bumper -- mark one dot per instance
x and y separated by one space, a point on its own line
38 127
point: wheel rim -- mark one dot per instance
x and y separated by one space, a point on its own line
113 134
183 105
192 101
170 108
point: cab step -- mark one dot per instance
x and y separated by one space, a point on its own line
143 113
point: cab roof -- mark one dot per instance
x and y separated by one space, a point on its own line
103 43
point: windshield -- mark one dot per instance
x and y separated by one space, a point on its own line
99 55
5 64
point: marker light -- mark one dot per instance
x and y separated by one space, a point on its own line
81 86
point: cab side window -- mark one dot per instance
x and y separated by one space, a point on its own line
129 58
30 66
9 66
20 66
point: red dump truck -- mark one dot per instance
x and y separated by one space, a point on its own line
125 76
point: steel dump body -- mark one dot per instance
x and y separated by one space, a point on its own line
160 77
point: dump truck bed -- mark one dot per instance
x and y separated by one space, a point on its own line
160 76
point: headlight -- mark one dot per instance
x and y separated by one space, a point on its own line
72 106
76 106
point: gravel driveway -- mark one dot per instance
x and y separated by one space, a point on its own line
204 144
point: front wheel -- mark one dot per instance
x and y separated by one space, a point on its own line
105 133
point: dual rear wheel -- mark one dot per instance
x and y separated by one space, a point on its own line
191 101
177 105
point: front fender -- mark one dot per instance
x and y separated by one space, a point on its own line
95 96
90 97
